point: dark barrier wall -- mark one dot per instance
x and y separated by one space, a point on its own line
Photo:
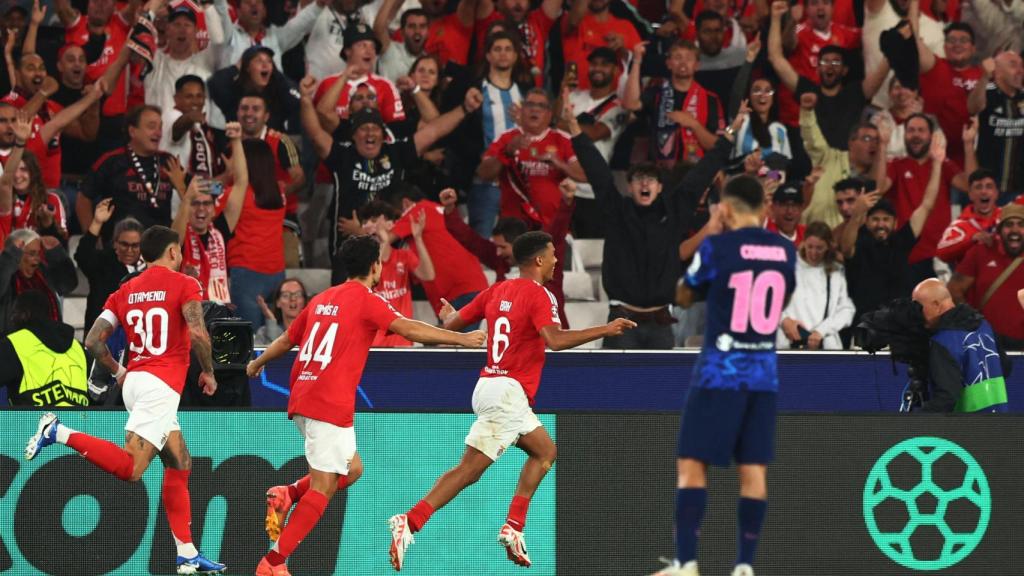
616 381
850 495
944 493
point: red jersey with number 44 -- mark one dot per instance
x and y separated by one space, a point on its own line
334 332
149 308
515 310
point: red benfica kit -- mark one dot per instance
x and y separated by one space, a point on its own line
23 213
389 100
516 311
47 153
909 179
449 39
957 239
591 33
804 59
334 332
985 264
529 184
394 287
944 90
149 308
117 34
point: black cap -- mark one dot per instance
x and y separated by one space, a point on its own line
883 205
789 192
357 32
255 49
366 116
603 53
182 10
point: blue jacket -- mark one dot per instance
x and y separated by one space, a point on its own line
965 368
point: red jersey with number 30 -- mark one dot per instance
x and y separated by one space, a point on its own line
334 332
515 310
149 308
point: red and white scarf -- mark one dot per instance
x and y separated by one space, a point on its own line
209 264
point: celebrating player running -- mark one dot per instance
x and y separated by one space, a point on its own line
334 332
522 316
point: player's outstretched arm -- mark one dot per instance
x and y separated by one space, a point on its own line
558 339
426 334
193 313
277 348
96 343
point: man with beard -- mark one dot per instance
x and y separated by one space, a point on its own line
590 24
875 251
533 26
366 167
601 117
683 117
186 134
976 223
998 99
719 64
251 29
253 115
862 157
881 15
181 55
397 58
946 82
905 185
839 103
989 277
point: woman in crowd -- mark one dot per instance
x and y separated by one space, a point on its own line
31 262
820 306
106 267
255 252
761 130
289 299
35 207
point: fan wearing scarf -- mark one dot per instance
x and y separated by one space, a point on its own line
206 220
683 116
31 262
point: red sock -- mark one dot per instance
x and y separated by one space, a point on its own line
419 514
105 455
517 512
174 495
297 490
305 516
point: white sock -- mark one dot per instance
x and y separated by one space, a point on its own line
63 433
186 550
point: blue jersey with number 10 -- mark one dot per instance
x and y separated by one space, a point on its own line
747 275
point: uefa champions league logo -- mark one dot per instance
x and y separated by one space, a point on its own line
927 503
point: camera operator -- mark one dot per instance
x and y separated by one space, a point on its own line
964 364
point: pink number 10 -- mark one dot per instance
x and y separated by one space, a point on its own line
749 305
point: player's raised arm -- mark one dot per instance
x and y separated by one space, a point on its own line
426 334
193 313
558 339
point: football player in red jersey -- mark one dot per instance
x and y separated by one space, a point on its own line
163 318
522 317
334 333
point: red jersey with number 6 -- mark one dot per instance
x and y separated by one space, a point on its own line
515 310
149 308
334 332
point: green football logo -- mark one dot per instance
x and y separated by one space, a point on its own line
927 503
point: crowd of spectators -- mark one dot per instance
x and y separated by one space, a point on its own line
889 135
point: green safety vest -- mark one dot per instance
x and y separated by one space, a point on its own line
49 378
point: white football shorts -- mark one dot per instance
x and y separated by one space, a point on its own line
503 414
329 448
152 407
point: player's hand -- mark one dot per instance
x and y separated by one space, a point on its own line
446 310
253 369
814 341
474 339
618 326
120 375
208 383
449 198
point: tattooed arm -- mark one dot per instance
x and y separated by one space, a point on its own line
193 313
96 342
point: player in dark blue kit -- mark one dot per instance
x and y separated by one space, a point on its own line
747 275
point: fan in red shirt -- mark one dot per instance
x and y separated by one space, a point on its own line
906 180
977 222
101 20
163 318
400 264
522 317
360 53
531 160
449 35
533 26
589 25
816 32
946 83
334 333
